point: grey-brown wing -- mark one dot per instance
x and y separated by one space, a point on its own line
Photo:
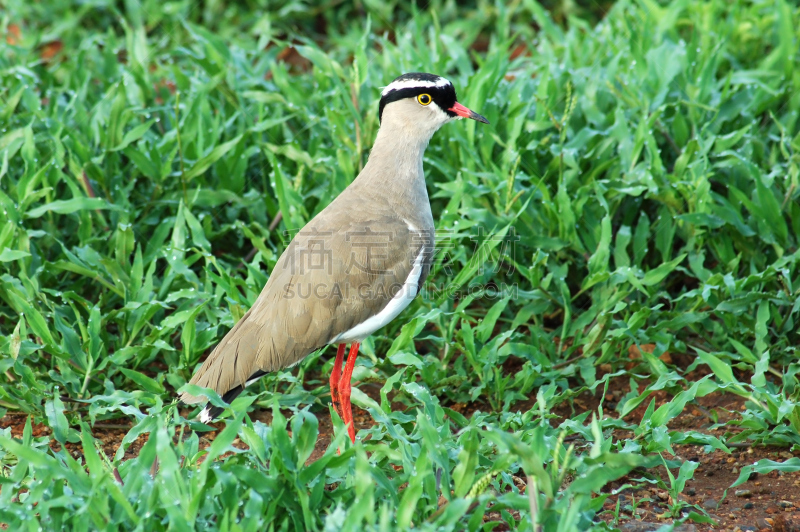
325 283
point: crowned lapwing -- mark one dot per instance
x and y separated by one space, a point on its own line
355 266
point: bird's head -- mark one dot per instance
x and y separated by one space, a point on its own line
423 101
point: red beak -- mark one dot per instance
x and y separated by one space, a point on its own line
462 111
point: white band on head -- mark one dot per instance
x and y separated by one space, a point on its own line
408 83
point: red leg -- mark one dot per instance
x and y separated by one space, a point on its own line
344 390
336 374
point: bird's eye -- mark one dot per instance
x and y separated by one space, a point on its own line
424 99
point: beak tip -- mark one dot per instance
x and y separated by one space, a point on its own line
463 112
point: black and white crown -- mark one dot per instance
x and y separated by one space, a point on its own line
413 84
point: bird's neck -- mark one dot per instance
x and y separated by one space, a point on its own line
394 168
400 151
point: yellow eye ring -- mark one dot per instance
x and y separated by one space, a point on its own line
424 99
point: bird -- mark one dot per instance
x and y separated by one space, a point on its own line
354 267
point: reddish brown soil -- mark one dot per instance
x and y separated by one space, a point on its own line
773 502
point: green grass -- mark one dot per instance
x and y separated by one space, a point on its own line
642 167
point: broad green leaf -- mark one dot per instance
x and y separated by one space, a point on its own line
791 465
147 383
71 205
658 274
134 134
210 158
8 255
54 409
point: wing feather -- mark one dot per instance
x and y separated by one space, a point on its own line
324 284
